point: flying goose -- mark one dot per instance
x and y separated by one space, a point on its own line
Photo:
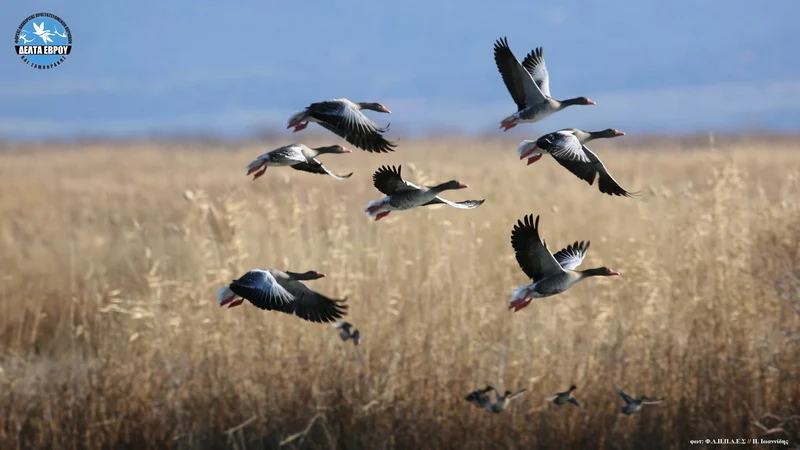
343 117
562 398
633 405
298 157
568 148
345 333
529 86
275 290
480 398
503 400
551 274
401 194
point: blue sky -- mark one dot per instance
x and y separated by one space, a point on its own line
229 68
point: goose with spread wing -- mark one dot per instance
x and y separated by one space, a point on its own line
346 331
480 397
551 274
568 148
298 157
276 290
401 194
502 401
346 119
633 405
562 398
529 85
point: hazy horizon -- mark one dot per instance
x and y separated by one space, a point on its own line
229 70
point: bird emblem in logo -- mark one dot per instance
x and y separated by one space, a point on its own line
43 41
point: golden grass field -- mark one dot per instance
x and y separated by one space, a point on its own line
111 336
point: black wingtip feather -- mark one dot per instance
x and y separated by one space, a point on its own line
384 169
501 43
610 187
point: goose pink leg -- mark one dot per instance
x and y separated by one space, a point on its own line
508 125
516 305
226 301
534 159
260 172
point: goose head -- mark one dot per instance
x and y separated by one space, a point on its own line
333 149
450 185
374 106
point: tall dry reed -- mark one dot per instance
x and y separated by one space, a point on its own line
110 336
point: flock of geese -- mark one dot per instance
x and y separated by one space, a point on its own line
528 83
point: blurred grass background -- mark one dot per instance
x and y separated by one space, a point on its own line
110 335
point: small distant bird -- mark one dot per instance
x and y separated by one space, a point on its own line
529 86
568 148
633 405
25 40
41 32
562 398
551 274
55 30
345 333
402 195
502 401
480 397
298 157
282 291
344 118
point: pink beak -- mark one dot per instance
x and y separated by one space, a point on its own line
618 133
462 185
346 150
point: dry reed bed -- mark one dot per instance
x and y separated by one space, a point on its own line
111 337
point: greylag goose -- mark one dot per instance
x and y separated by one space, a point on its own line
480 398
503 400
568 148
529 86
344 118
633 405
400 194
562 398
345 332
275 290
298 157
551 274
